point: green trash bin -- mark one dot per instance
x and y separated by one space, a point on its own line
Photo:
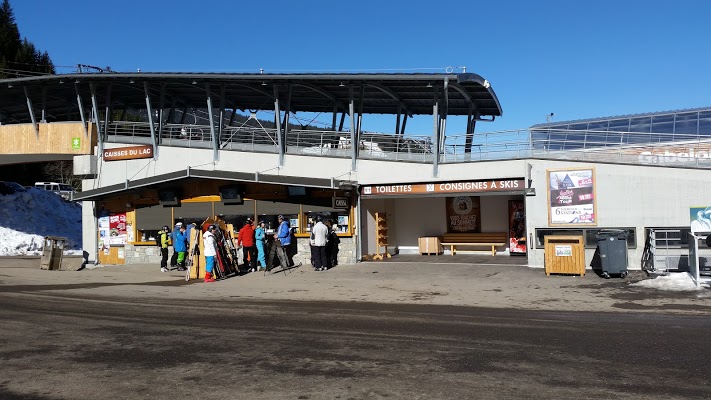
52 253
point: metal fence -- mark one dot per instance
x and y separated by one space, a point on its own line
665 149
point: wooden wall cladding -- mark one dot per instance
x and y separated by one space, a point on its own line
54 138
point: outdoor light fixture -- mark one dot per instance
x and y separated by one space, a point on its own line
131 81
341 85
194 82
61 81
9 86
264 83
429 84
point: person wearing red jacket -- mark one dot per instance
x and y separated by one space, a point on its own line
245 239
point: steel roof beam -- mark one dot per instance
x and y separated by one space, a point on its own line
81 109
326 94
32 111
392 94
215 139
150 118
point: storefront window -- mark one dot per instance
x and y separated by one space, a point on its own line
268 211
340 219
589 235
149 220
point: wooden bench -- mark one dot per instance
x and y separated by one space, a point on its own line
493 239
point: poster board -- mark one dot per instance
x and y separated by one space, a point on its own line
463 214
572 200
117 229
700 219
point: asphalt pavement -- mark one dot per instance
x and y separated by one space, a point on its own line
474 281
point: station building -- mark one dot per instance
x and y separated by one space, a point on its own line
158 148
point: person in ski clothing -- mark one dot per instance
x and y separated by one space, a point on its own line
320 237
164 239
260 237
283 240
208 240
174 257
245 239
332 244
180 246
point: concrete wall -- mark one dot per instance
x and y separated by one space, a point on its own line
170 159
627 196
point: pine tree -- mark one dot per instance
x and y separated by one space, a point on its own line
17 55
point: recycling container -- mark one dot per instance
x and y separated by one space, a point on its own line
564 255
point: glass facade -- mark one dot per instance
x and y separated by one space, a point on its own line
659 127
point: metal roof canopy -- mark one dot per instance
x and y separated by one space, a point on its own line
172 178
54 96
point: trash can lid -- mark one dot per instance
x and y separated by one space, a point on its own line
607 233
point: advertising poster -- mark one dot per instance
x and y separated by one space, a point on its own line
700 219
117 229
517 227
571 197
463 214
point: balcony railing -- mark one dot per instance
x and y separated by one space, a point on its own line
666 149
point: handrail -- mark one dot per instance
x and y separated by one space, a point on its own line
693 151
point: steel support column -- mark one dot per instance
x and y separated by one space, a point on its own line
95 109
161 106
81 110
32 111
397 119
435 134
287 111
108 111
404 124
335 117
149 109
44 105
354 138
360 112
277 120
215 139
443 113
222 110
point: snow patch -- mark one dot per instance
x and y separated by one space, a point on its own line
26 217
676 282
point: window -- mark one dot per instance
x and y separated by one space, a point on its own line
589 235
686 124
339 218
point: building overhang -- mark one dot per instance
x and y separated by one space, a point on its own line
190 174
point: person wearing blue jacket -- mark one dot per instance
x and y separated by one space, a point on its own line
174 257
180 246
260 236
282 241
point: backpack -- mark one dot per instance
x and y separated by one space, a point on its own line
159 236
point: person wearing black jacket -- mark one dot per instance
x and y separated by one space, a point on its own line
332 245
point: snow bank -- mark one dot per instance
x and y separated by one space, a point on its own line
26 217
677 282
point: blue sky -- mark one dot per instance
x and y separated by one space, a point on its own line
577 59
